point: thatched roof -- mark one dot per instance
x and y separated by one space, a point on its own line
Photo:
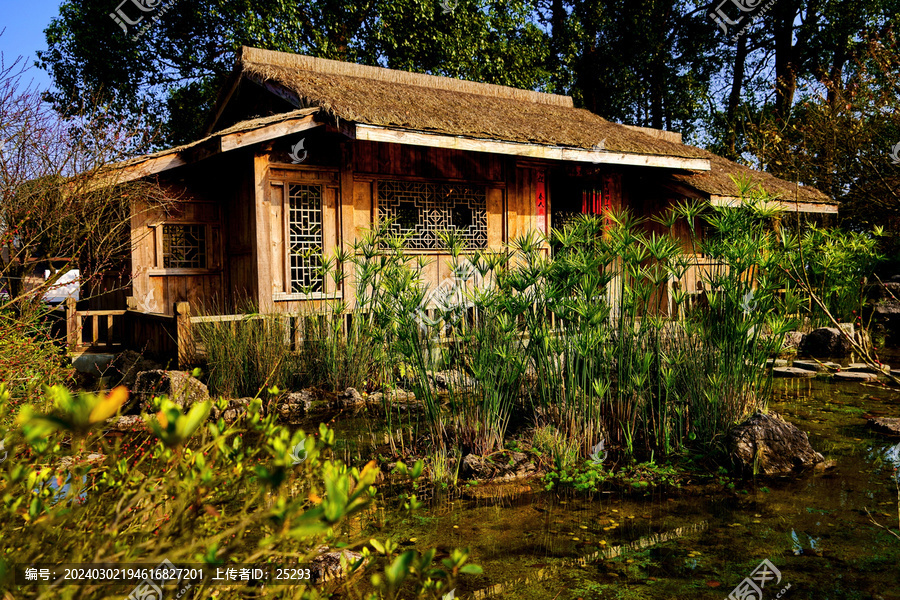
718 181
397 99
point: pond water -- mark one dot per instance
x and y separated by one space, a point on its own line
814 530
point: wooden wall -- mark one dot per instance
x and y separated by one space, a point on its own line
351 175
202 196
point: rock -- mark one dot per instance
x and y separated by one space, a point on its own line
864 368
885 425
458 380
508 467
776 362
125 367
67 462
292 407
793 340
327 565
181 388
854 376
792 372
497 491
809 365
826 342
766 444
883 309
349 398
127 423
398 400
232 412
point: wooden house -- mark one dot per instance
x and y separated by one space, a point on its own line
303 154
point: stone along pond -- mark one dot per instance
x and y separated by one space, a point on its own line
705 540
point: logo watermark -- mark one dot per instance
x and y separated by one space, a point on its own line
295 152
598 453
151 588
448 6
895 154
133 12
598 149
751 588
748 304
448 298
738 12
298 453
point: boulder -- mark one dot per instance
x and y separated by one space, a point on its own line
458 380
826 342
766 444
793 340
181 388
507 467
124 368
398 400
792 372
127 423
885 425
349 398
327 565
883 308
776 362
67 462
232 411
292 407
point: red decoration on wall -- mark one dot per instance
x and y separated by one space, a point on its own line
541 202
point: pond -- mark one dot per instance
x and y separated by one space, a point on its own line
701 542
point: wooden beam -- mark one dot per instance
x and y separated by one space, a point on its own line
417 138
247 138
147 167
787 205
210 147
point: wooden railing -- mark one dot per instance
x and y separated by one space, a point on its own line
94 329
158 335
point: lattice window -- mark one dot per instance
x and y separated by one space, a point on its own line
184 246
423 210
305 238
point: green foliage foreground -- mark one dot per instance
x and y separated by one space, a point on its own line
193 493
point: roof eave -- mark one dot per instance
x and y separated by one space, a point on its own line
786 205
375 133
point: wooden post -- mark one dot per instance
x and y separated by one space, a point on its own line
184 334
71 324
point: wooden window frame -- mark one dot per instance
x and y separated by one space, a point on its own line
331 213
213 246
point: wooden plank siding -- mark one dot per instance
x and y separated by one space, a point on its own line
242 195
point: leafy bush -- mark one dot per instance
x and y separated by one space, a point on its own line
198 493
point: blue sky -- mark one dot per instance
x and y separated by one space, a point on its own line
25 21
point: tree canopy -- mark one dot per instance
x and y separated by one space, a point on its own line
808 90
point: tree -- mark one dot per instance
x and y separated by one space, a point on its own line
169 76
646 62
59 197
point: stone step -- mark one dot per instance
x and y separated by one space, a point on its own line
864 368
814 365
792 372
854 376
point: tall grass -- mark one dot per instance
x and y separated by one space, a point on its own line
245 355
589 330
